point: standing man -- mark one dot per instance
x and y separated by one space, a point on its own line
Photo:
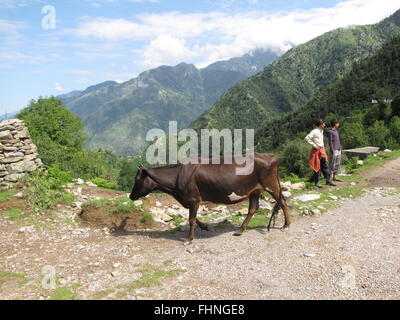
318 158
335 148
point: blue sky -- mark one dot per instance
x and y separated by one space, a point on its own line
97 40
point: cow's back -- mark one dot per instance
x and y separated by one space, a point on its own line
220 182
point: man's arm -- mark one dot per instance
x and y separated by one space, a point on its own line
331 140
310 139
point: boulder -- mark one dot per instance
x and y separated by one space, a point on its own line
166 218
22 166
286 194
308 197
264 204
11 160
137 203
298 186
5 135
23 134
17 153
13 177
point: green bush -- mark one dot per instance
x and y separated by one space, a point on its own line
379 135
103 183
352 164
294 158
146 218
44 191
57 176
59 137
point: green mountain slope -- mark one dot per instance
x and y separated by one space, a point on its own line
349 99
289 82
118 116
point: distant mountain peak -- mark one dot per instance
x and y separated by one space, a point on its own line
117 116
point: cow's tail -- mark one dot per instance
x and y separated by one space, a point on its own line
278 204
280 198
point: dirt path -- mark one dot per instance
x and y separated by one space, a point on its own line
351 252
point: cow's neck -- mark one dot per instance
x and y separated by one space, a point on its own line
165 177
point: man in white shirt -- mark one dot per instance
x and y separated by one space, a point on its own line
318 158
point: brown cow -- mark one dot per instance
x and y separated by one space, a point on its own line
190 184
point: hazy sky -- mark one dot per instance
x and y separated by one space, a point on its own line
92 41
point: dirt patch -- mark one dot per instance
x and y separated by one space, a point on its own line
13 203
387 175
101 217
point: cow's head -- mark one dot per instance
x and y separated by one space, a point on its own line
144 184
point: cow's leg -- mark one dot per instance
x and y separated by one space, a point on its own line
203 226
275 191
192 220
253 206
271 184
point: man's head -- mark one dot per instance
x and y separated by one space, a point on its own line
335 124
320 123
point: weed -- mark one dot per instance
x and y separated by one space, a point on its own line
63 293
147 218
14 214
151 276
7 194
103 293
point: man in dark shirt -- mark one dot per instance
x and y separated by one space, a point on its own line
335 149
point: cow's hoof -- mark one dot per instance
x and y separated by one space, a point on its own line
238 233
285 228
188 243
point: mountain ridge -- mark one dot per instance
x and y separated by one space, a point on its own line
118 116
289 82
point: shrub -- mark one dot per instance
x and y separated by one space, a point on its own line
146 218
44 191
294 158
352 164
103 183
379 135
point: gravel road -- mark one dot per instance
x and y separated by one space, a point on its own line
350 252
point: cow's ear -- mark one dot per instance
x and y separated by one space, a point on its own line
144 172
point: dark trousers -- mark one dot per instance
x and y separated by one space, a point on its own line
324 171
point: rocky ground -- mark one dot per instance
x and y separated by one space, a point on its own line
342 246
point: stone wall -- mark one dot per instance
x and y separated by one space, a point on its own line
18 155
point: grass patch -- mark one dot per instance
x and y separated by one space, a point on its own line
378 160
151 276
177 220
258 222
44 191
172 231
224 224
63 293
103 293
7 194
14 214
6 276
167 263
325 199
96 203
148 217
120 205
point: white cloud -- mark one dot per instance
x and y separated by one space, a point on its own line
203 38
12 4
58 87
165 50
